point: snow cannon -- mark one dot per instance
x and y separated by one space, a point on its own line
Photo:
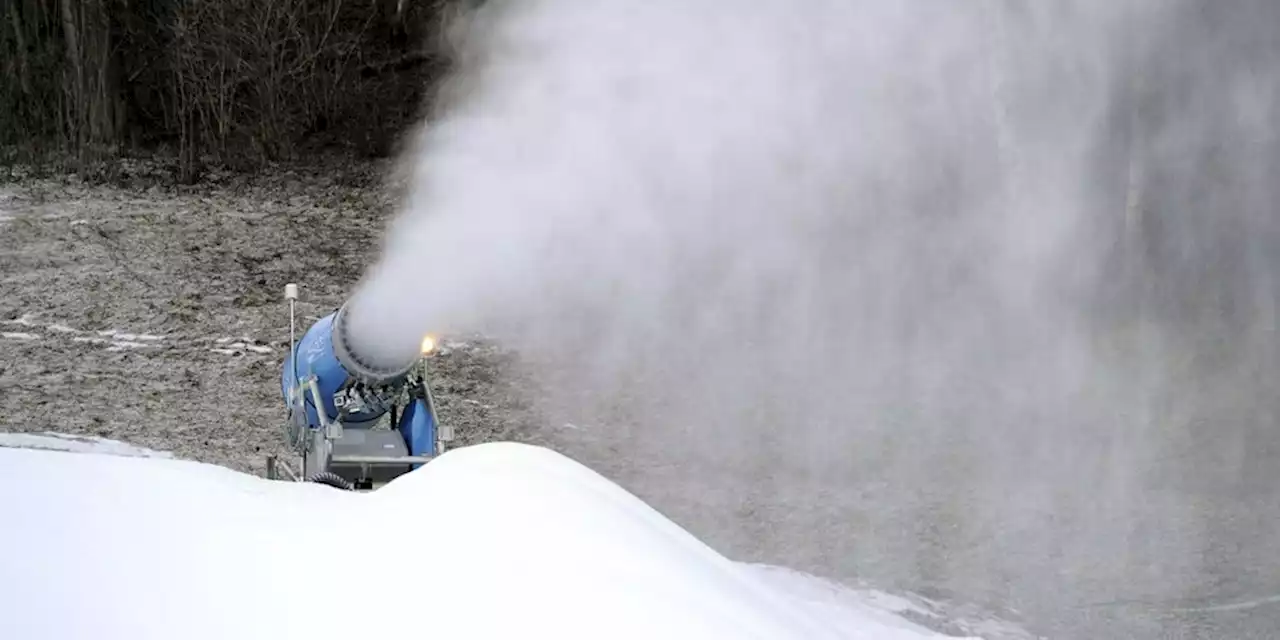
354 423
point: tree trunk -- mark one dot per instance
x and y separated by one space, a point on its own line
106 107
94 113
76 90
24 75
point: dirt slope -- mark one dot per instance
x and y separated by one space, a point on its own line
155 315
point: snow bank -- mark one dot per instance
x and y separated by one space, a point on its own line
849 606
78 444
493 541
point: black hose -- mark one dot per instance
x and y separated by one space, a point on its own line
332 479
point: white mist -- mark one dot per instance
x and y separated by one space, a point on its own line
835 283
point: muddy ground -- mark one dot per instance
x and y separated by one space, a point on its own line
154 314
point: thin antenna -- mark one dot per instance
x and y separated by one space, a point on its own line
291 294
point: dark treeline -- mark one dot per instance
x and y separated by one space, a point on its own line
236 82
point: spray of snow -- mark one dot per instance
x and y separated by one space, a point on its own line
951 293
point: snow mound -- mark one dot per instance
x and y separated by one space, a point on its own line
77 444
848 605
497 540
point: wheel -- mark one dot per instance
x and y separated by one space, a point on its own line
331 479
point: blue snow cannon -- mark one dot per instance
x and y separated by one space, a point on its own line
352 424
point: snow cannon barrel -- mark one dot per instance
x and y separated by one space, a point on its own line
348 383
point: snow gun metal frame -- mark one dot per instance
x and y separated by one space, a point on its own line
337 406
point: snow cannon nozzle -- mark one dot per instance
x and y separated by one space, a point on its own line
361 366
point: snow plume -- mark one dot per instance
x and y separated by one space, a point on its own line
929 292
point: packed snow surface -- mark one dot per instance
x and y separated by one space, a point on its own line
498 540
78 444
